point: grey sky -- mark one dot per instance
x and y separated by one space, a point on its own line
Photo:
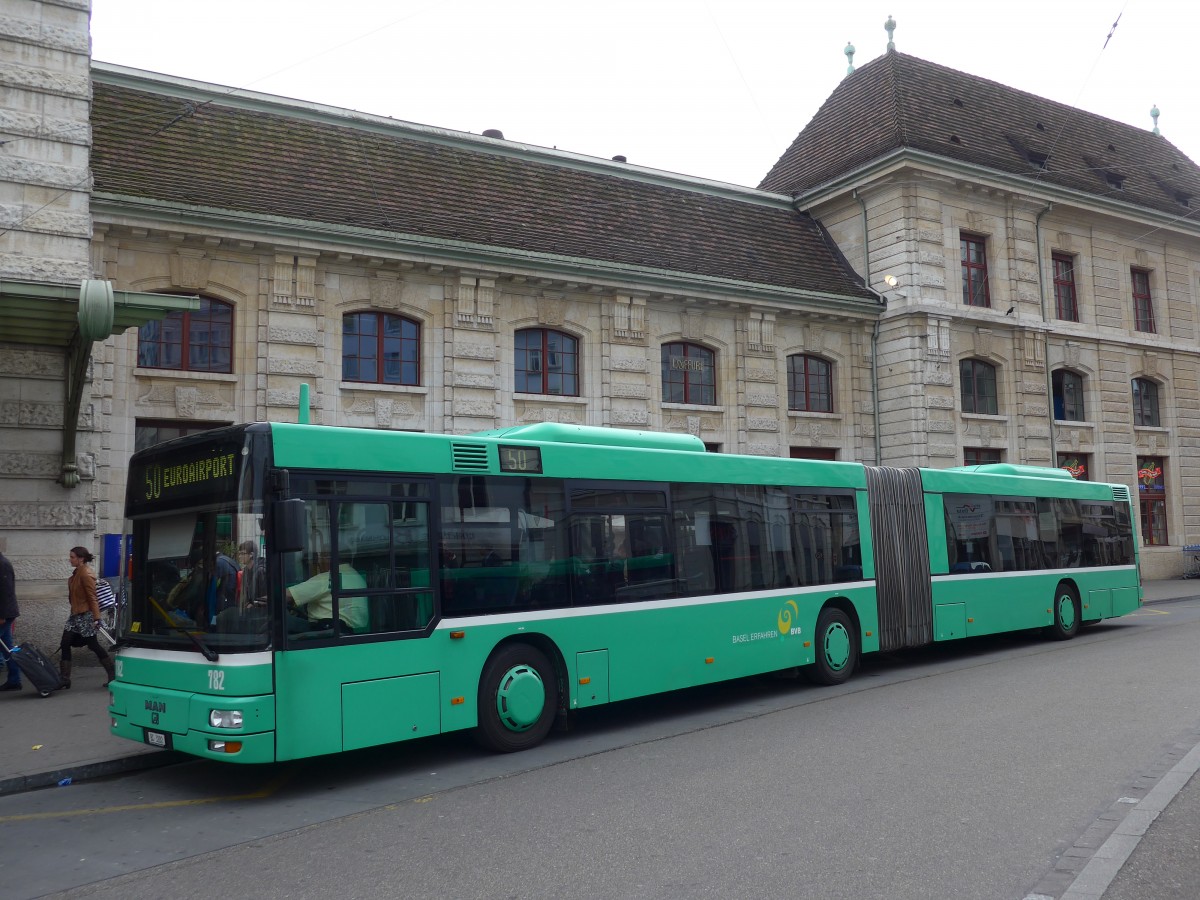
711 88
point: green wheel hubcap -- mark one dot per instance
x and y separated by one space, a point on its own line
1066 611
520 698
837 646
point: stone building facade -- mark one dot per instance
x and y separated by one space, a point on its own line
1086 237
474 244
821 314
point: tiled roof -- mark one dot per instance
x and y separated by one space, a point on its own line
900 101
271 162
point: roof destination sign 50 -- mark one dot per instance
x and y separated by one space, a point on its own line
212 472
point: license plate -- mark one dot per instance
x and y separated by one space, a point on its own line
158 739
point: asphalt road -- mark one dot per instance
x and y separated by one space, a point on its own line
962 771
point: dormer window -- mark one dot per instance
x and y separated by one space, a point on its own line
1115 181
1037 160
1183 200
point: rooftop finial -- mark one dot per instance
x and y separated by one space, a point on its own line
1154 116
849 51
890 27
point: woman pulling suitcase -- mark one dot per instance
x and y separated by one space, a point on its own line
84 621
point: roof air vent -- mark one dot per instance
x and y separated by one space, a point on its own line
469 457
1041 127
494 133
1112 148
954 139
619 159
958 103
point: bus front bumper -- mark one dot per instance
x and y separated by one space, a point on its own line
175 720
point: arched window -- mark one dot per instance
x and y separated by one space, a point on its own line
1068 396
810 383
198 340
1145 403
689 374
379 348
546 362
978 387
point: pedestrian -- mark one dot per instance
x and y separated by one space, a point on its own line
8 613
80 630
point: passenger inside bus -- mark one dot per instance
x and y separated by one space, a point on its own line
310 602
186 600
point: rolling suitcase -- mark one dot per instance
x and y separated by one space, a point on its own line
35 666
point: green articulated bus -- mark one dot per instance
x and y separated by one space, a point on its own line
295 590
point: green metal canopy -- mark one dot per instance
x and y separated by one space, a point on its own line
50 314
71 318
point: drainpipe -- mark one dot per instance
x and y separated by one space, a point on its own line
874 331
1037 233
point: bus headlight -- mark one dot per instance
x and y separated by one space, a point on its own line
225 718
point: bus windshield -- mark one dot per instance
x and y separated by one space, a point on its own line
197 551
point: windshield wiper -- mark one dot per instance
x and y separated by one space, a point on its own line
209 653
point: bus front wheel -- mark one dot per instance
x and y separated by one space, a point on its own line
518 699
1067 613
836 648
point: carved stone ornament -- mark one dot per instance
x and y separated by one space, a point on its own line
983 341
552 310
631 417
760 332
1071 354
385 292
534 413
31 363
762 375
190 269
762 423
629 318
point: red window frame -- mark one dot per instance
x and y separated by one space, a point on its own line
1152 500
980 386
550 367
982 456
1067 396
1065 305
810 383
827 453
384 349
695 385
1145 403
198 340
973 253
1079 465
1143 303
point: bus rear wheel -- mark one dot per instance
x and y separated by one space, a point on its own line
836 648
1067 613
518 699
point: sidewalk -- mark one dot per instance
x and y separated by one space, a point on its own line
65 735
46 739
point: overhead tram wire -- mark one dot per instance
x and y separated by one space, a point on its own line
1086 79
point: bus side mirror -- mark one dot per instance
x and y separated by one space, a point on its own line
288 525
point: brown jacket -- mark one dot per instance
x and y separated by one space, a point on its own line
81 588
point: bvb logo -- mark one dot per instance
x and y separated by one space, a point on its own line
787 615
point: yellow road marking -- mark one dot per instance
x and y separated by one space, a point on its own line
260 794
1151 612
